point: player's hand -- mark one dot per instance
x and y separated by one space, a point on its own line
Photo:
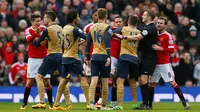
38 30
108 62
87 62
156 47
119 36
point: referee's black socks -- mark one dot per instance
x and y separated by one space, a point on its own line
151 95
145 93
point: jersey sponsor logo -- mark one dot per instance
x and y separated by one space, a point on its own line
144 32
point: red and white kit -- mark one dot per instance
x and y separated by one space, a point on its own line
15 69
115 44
85 67
35 53
163 68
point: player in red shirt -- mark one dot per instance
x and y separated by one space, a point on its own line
36 55
115 43
18 69
163 67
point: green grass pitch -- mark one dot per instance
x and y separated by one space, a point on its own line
80 107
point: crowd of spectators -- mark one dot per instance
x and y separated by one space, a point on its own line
183 24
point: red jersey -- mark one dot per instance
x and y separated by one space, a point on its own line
115 46
86 30
14 70
166 42
35 51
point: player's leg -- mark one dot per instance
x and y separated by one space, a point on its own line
27 91
62 85
48 87
153 82
67 98
98 99
148 67
31 74
93 84
133 74
105 73
122 74
168 76
114 62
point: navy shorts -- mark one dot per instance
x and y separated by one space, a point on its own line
147 66
74 67
127 68
52 62
98 68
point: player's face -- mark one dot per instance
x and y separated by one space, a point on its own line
77 20
95 18
160 24
37 22
21 58
118 22
45 19
145 17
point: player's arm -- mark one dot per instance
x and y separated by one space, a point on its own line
79 33
37 42
30 36
107 35
88 44
170 46
117 30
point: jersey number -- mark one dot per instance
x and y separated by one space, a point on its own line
67 40
98 37
58 35
132 42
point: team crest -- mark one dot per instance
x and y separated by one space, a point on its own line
161 39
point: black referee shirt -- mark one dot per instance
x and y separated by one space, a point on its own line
150 37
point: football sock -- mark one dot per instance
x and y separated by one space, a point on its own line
104 90
92 90
120 92
26 94
85 88
49 94
41 88
114 93
151 95
67 95
97 93
145 93
133 89
178 92
61 88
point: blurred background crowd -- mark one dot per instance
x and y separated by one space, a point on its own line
183 24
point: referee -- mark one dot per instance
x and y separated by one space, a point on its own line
148 38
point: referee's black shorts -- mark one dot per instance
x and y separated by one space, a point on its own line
147 66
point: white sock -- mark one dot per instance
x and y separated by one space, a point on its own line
99 101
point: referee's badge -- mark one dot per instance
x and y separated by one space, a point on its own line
144 32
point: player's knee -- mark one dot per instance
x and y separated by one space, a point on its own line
172 83
29 82
143 79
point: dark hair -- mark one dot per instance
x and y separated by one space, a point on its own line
51 15
151 14
117 17
102 13
94 10
163 18
71 16
34 16
133 20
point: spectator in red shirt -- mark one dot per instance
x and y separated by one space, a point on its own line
7 53
18 70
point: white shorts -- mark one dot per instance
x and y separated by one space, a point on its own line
114 62
87 70
165 71
33 66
